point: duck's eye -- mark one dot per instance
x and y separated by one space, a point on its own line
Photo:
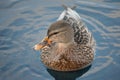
53 34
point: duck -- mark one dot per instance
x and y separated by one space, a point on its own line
68 45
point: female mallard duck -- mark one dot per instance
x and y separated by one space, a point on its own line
69 45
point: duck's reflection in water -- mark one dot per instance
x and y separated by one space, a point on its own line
72 75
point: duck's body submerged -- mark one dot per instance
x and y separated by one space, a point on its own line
72 45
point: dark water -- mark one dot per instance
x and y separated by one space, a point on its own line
23 23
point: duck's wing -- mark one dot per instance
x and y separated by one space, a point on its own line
81 33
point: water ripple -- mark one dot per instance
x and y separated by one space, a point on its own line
9 3
107 61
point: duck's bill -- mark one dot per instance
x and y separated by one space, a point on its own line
42 44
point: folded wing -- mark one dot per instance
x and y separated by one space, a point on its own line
81 33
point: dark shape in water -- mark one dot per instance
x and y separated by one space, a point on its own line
70 75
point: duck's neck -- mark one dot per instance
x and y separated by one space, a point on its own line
62 47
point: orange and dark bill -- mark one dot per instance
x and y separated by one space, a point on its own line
42 44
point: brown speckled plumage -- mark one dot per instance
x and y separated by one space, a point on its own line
72 46
73 58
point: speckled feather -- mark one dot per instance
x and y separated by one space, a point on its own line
73 58
81 33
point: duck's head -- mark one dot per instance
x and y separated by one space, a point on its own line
60 33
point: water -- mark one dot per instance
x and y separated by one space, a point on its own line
24 23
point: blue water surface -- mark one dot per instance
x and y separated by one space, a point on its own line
23 23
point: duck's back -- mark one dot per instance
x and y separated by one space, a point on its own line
81 33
